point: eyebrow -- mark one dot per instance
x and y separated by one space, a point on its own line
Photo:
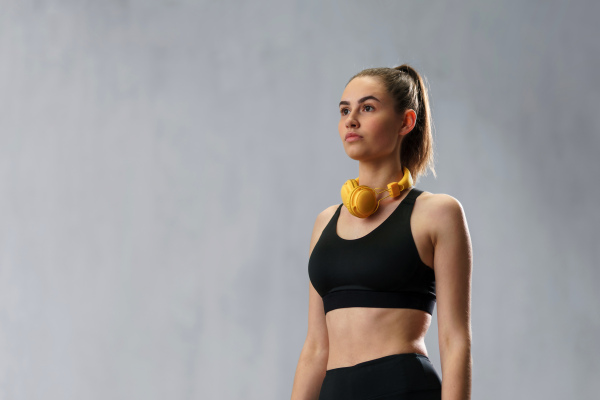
361 100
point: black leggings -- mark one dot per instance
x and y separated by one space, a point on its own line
405 376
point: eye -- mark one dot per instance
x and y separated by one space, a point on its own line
366 105
342 111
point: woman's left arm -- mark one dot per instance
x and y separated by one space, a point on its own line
452 264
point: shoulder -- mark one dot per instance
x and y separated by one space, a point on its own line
443 212
323 219
439 203
326 214
321 222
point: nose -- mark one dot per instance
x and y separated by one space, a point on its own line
351 121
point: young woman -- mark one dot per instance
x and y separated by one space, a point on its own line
378 264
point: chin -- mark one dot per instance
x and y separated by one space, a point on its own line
355 156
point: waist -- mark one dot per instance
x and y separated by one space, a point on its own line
357 334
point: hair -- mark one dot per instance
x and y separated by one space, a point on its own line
408 90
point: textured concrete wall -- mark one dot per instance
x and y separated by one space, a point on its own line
162 164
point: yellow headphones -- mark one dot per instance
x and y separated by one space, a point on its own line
362 201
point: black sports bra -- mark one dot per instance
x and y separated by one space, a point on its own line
380 269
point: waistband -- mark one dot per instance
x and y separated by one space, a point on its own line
380 360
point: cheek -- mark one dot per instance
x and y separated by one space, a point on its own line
382 137
383 131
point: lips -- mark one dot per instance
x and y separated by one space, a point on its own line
351 134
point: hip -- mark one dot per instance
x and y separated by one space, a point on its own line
395 376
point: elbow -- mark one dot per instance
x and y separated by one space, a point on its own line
318 350
456 342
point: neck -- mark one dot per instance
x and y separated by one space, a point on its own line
379 174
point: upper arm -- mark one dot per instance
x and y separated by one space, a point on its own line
452 266
317 336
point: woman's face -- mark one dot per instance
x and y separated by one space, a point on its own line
367 110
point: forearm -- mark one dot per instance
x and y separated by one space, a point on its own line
310 373
456 372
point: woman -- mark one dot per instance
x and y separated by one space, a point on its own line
378 266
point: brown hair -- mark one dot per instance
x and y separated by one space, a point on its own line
408 90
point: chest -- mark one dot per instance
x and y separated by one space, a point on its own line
383 258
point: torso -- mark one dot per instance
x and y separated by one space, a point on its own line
358 334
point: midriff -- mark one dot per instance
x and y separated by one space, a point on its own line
358 334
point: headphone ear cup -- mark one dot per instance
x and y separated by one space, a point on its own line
347 189
363 202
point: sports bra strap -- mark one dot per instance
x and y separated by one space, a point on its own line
411 197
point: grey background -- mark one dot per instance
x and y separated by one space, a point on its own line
162 164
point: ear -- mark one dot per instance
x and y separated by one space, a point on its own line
408 122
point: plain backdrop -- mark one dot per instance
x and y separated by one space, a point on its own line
162 164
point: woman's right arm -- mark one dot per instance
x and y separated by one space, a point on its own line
312 364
